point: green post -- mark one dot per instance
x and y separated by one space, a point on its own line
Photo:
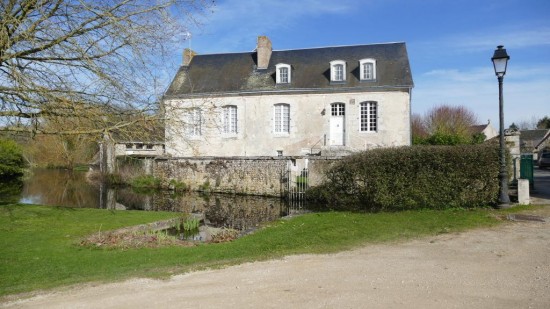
526 169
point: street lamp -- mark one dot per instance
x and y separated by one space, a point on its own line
500 62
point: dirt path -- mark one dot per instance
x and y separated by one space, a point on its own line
504 267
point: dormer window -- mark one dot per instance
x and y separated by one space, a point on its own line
338 71
367 68
283 73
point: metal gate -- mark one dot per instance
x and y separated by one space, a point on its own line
298 183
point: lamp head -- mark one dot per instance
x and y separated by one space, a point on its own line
500 61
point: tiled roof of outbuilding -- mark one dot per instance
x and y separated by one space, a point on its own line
237 73
533 136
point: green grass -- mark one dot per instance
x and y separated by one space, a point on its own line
39 245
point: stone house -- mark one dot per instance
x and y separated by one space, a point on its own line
327 101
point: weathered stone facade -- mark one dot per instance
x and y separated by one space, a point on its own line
311 124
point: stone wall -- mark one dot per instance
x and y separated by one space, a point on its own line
268 176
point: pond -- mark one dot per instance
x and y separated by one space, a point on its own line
58 187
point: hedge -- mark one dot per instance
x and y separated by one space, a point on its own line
417 177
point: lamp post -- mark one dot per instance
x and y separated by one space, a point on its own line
500 61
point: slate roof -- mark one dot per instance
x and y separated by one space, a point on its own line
310 69
476 129
529 139
533 136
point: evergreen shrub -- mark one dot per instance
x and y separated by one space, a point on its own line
417 177
11 159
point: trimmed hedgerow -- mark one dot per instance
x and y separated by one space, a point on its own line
418 177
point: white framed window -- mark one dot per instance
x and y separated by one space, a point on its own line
369 116
230 119
193 124
283 73
281 118
338 109
338 71
367 69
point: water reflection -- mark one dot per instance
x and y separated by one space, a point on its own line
70 189
60 188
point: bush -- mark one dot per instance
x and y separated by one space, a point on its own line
11 159
146 181
439 138
431 177
178 186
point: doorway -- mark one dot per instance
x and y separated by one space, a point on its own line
337 124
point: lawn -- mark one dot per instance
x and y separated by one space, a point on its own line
39 246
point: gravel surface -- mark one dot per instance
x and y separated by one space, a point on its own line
503 267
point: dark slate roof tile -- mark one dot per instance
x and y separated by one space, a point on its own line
236 72
533 135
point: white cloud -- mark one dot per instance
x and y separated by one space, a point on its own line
510 38
526 92
516 39
235 24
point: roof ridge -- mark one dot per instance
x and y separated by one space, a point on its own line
306 48
338 46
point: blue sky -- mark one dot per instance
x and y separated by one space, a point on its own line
450 44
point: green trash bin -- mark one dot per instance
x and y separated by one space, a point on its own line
526 168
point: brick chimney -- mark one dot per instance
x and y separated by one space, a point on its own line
263 52
188 55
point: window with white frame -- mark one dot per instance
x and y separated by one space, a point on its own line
281 117
193 122
283 73
338 109
367 69
338 71
369 116
230 119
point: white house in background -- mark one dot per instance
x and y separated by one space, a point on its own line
317 101
487 129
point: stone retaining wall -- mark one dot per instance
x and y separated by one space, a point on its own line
267 176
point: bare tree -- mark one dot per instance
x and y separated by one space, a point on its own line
445 125
418 127
455 120
87 66
530 124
